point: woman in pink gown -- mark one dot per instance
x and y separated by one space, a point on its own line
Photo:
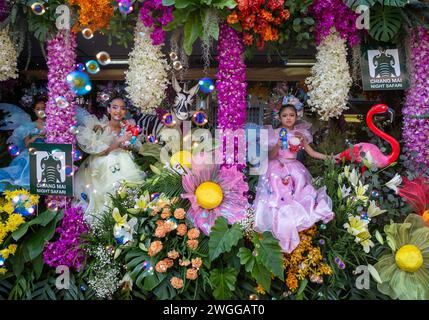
286 202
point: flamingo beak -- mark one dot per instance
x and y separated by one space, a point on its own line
391 113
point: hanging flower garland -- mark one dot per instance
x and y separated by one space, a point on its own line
260 20
61 60
60 120
231 80
93 14
8 57
334 13
66 250
231 88
155 14
146 78
4 10
416 108
330 81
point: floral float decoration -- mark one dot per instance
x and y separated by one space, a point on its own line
330 79
213 192
154 14
93 14
8 56
416 193
404 269
259 20
373 156
146 79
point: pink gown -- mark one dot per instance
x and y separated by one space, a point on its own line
286 202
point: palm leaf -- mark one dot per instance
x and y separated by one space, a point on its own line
385 23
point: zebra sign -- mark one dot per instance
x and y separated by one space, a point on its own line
51 169
383 68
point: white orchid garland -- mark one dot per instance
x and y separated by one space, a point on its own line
146 77
330 81
8 57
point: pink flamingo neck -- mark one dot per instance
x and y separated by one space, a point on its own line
381 108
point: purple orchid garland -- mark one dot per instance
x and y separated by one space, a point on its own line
334 13
416 109
4 10
231 82
66 250
61 61
155 14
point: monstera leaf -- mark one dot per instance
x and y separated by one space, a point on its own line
385 22
223 282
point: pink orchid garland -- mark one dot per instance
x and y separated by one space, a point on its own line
231 82
66 250
334 13
416 109
61 61
155 14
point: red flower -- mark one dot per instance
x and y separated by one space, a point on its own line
248 39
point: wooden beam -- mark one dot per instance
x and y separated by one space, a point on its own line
253 74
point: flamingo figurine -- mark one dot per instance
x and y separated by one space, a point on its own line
373 155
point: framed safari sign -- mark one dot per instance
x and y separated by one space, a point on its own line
51 169
384 68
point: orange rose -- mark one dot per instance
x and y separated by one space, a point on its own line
179 213
182 229
176 282
161 266
197 262
166 213
191 274
160 232
232 18
154 248
168 262
193 244
193 233
159 223
173 254
184 263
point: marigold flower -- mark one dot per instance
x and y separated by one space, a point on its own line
197 262
232 18
182 229
176 282
192 244
193 233
173 254
191 274
179 213
154 248
266 15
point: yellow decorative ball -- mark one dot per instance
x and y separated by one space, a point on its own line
425 217
209 195
409 258
182 157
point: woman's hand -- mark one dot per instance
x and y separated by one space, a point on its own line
126 137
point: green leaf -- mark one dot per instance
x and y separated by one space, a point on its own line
181 4
385 23
222 238
308 20
222 4
193 29
246 259
212 29
38 266
269 253
395 3
262 276
167 2
42 219
152 281
223 282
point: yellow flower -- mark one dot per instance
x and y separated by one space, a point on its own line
14 221
12 248
260 289
360 192
356 225
2 271
121 221
8 208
